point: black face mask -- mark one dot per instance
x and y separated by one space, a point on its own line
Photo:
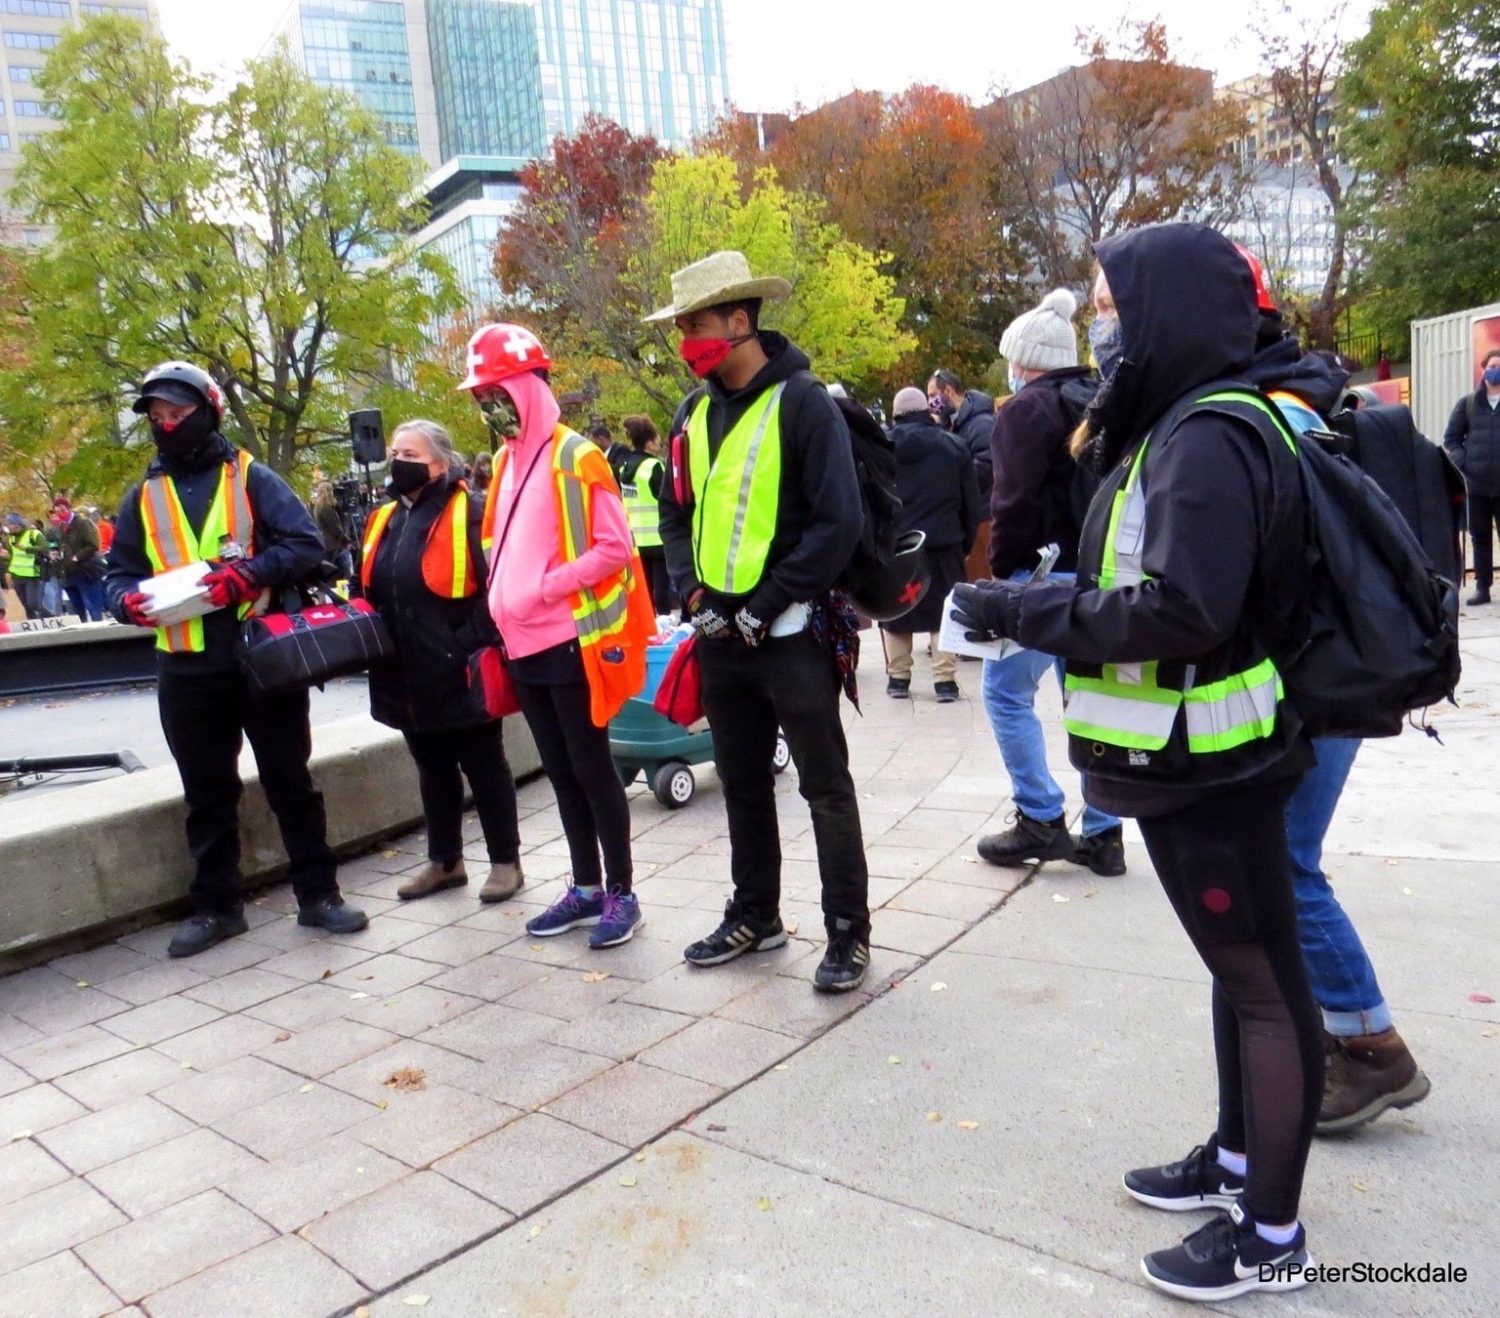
187 436
408 477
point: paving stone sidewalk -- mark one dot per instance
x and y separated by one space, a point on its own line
443 1114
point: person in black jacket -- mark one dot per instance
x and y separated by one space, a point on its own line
430 588
1473 440
1177 716
939 497
204 501
760 511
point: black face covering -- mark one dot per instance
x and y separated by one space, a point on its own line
408 477
187 436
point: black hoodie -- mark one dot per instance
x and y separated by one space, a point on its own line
1188 319
1280 363
820 514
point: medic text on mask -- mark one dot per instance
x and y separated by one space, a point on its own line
705 356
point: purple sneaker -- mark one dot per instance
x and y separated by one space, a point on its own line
621 918
570 911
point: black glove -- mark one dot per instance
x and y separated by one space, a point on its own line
708 620
989 609
753 628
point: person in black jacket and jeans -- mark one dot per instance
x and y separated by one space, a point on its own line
1176 714
1473 440
429 584
753 559
189 509
939 497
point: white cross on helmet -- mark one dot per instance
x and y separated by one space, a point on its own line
498 352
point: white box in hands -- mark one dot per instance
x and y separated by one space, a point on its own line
951 634
178 594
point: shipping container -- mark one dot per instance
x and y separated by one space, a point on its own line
1445 353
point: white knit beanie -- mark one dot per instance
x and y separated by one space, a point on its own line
1043 339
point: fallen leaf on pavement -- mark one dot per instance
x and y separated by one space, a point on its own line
1059 898
382 1103
780 1066
416 1301
893 1060
406 1079
627 1180
1488 1034
715 1128
934 1116
1089 893
790 928
640 1157
306 1089
763 1204
1361 1187
362 978
968 1125
83 983
327 974
20 1135
1480 997
969 860
362 1312
535 1232
355 997
282 1037
1406 892
596 977
187 1066
938 987
536 947
386 855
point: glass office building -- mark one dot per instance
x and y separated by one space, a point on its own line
486 78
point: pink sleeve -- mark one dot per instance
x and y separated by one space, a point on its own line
609 553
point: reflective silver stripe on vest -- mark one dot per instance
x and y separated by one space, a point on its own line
1130 538
1096 709
742 504
1234 709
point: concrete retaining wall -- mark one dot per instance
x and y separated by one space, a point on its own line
80 864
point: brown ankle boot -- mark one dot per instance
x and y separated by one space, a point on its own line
1366 1075
433 877
504 881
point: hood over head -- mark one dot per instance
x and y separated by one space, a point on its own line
1186 301
1281 364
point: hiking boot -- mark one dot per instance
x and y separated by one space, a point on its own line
505 881
618 922
947 692
200 932
1228 1257
1103 852
1480 596
331 914
898 688
1029 841
573 910
844 962
1197 1181
433 877
735 936
1364 1076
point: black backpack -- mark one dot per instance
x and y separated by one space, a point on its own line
1360 626
875 464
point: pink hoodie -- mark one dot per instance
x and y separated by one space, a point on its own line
529 582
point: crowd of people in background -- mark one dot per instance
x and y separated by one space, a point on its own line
55 564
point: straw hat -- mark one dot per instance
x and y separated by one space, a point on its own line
722 277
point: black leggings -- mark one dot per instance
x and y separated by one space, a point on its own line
590 796
1224 865
480 754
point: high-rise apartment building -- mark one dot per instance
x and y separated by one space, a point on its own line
29 29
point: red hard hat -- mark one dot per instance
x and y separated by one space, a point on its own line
1263 298
498 352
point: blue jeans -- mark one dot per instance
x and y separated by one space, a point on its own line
86 598
1342 978
1010 687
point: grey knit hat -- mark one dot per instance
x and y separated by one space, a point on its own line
908 401
1043 339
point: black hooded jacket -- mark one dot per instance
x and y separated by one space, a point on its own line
973 424
820 514
1188 320
1280 363
288 545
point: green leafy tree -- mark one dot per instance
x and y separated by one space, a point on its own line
1421 117
259 235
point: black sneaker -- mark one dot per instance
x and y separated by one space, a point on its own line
201 931
1029 840
331 914
734 937
1104 853
898 688
1227 1257
1198 1181
844 962
1480 596
946 692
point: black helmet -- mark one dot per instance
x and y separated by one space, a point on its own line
182 383
894 589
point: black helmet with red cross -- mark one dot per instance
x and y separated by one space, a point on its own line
181 383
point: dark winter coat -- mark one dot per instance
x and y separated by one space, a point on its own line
820 514
286 550
1031 501
1473 441
80 550
425 688
1188 317
973 424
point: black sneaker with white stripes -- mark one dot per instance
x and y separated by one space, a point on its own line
845 961
1197 1181
734 937
1228 1257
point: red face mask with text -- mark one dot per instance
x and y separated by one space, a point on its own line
705 356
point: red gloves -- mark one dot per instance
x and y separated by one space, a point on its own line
136 607
230 584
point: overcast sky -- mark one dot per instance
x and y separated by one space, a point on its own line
782 52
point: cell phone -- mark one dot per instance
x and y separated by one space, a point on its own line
1047 560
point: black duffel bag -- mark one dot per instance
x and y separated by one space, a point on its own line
331 638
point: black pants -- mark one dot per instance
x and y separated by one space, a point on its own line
790 682
1225 868
1484 512
30 591
480 754
576 759
654 560
206 717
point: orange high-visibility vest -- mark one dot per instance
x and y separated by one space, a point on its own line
447 568
170 542
615 619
